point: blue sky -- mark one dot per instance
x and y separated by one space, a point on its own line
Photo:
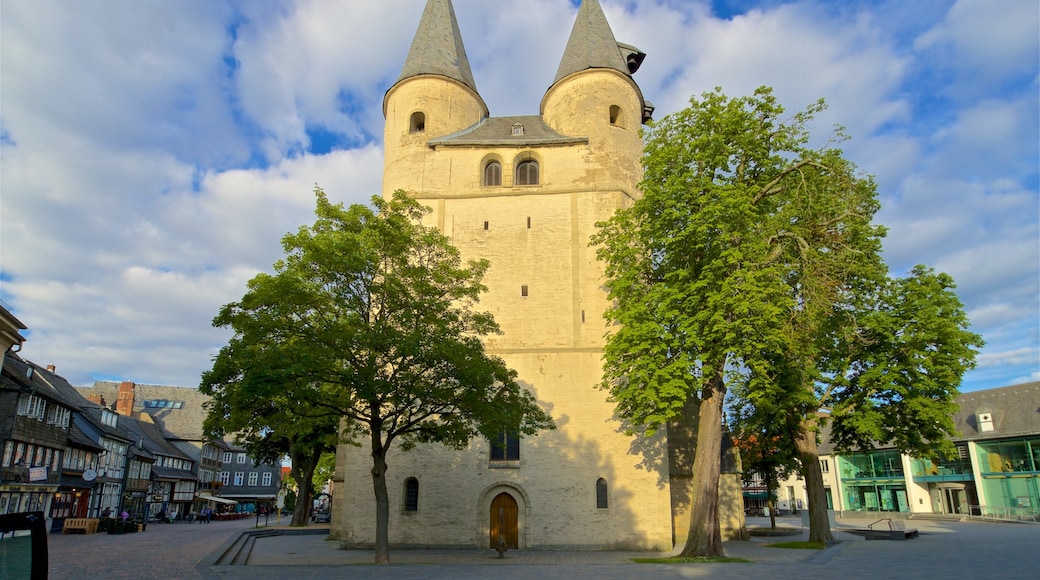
154 152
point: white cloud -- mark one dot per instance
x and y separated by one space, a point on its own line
154 154
988 41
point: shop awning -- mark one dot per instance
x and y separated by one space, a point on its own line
216 499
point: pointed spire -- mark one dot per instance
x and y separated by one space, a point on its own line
437 48
592 44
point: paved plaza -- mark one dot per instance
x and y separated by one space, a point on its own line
944 549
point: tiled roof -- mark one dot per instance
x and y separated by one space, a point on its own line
183 423
498 131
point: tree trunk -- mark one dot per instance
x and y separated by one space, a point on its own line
771 487
808 455
382 546
705 537
303 466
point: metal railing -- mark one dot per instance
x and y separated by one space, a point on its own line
1015 514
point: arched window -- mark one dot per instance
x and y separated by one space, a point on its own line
417 123
493 174
527 173
601 494
411 495
615 115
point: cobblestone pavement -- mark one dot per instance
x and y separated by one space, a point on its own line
944 549
165 551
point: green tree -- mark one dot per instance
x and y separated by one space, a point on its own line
896 379
763 438
752 263
378 314
255 400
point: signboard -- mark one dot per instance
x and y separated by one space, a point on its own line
37 474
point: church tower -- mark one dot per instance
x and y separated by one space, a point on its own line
525 193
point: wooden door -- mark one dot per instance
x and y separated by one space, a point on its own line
504 521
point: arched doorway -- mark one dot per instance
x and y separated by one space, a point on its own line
504 515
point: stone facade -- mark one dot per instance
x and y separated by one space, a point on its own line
586 485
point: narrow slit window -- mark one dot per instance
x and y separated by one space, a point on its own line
615 115
487 225
528 223
411 495
523 290
601 494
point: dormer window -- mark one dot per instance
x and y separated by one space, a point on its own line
417 124
984 420
518 129
108 418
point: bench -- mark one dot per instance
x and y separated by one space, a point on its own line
80 526
897 530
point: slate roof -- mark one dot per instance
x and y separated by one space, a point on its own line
16 376
170 473
77 438
184 423
498 132
150 438
437 48
591 44
1015 410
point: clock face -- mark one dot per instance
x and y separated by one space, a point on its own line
89 475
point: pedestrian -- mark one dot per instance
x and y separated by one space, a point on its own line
106 513
162 515
209 514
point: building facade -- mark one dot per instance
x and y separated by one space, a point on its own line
526 193
994 473
251 484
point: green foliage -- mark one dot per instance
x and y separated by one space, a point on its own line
370 316
700 268
754 258
368 323
898 378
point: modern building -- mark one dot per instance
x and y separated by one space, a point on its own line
525 193
995 472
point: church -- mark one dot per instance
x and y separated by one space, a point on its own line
525 193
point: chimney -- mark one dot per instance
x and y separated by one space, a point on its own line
96 399
51 368
125 402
